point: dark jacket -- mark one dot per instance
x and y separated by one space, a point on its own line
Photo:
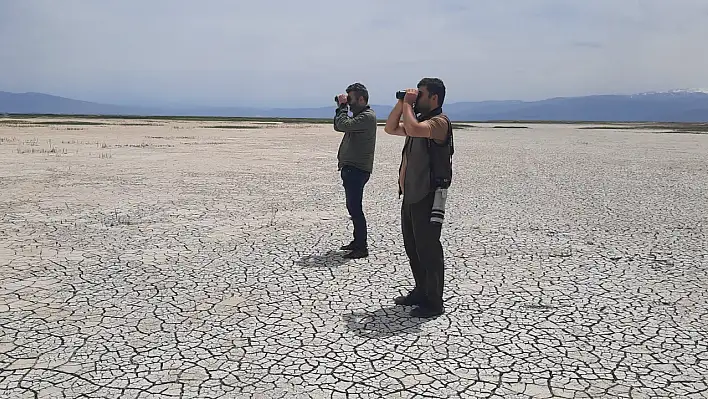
359 141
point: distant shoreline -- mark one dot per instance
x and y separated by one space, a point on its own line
267 119
264 122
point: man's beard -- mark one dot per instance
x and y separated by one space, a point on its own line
420 109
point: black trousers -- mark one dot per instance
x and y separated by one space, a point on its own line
354 180
422 242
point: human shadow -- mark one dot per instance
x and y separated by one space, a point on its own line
328 259
383 323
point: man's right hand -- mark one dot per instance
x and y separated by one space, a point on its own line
411 96
342 99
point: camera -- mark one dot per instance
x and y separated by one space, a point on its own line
437 214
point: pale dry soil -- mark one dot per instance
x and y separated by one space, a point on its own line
176 260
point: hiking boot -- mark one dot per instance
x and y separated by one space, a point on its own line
357 253
348 247
426 312
408 300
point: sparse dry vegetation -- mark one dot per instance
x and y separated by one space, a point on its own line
233 127
30 147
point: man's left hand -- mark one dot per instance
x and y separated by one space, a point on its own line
411 96
342 98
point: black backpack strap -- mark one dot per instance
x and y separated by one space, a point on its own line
449 133
450 139
435 162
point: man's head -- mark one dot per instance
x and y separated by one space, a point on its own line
358 96
431 94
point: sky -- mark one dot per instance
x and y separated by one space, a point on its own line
301 53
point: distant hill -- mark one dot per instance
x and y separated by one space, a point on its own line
671 106
38 103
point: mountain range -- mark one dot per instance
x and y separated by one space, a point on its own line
689 105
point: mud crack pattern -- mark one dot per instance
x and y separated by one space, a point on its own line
204 264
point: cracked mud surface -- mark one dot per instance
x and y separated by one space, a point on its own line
182 261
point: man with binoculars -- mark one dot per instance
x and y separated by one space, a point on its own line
355 158
425 174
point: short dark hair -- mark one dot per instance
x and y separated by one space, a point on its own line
434 86
359 89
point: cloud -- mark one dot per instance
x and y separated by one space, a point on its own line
226 52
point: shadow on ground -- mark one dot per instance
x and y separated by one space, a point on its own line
327 259
383 323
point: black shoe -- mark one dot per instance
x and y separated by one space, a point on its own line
426 312
348 247
357 253
408 300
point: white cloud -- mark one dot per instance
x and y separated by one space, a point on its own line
226 52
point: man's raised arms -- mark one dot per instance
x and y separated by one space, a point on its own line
393 125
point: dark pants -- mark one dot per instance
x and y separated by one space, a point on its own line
422 242
354 180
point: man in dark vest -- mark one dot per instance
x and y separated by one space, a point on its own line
356 158
425 174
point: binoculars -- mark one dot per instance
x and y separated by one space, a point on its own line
402 93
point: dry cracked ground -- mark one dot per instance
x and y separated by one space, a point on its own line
169 259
